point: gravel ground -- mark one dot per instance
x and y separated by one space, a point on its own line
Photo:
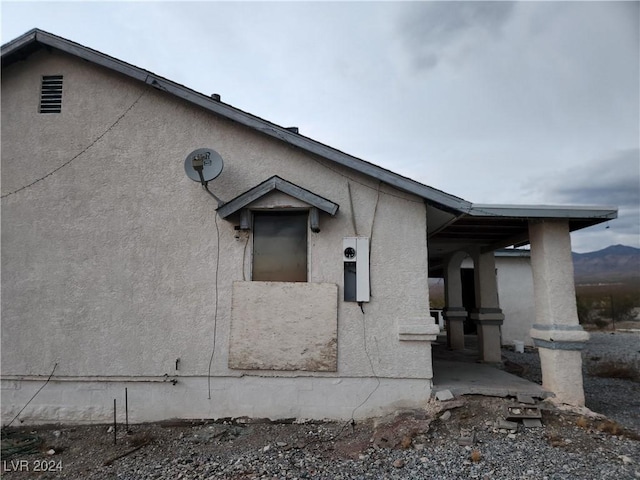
618 399
413 445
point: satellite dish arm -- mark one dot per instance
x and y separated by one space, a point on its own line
198 165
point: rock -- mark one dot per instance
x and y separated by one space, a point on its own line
266 448
110 429
526 399
57 433
467 438
399 463
51 452
444 395
445 416
511 436
626 460
281 444
507 425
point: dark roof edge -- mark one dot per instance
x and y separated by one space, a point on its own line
430 194
576 212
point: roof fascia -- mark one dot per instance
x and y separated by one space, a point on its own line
578 212
431 195
20 42
277 183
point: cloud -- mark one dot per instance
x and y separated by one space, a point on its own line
613 181
434 30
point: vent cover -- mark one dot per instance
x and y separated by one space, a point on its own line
51 94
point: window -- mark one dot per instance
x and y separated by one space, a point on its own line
51 94
280 246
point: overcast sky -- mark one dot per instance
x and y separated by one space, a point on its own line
495 102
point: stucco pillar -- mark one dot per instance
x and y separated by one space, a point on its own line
488 315
557 332
454 313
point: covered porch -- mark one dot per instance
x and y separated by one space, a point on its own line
477 234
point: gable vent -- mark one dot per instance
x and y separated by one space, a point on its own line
51 94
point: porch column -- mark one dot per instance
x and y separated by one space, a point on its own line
488 315
557 332
454 313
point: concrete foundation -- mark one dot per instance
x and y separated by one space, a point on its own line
152 399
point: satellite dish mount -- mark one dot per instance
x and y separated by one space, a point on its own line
203 165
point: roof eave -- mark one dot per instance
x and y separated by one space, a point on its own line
429 194
571 212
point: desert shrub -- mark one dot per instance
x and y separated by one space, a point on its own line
600 323
586 312
621 368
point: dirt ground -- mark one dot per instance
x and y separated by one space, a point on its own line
90 451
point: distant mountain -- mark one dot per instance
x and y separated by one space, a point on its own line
616 263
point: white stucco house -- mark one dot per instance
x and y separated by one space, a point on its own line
214 264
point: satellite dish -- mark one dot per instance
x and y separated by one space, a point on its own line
203 165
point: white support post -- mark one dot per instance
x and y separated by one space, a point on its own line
557 332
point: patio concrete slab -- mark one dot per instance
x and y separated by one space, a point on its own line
460 372
465 378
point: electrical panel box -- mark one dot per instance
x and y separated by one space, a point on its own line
355 256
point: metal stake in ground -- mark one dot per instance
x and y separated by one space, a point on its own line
126 410
114 422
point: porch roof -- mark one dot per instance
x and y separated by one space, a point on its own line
492 227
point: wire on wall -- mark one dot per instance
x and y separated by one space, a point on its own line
34 396
97 139
215 315
373 371
364 184
353 212
375 210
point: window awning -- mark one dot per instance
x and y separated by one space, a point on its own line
281 185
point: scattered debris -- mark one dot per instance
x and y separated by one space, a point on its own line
399 463
398 431
507 425
532 423
467 438
446 415
520 412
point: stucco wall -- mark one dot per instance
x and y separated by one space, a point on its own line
515 291
112 265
